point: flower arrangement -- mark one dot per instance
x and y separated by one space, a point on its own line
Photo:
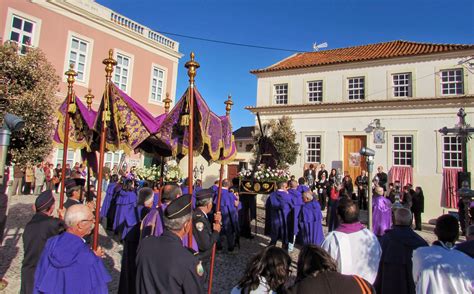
265 174
172 171
151 173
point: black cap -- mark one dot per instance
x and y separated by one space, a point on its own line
72 183
44 200
204 194
179 207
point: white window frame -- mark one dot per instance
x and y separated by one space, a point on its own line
316 90
313 152
448 83
279 95
354 84
453 154
78 52
35 35
71 156
112 158
87 68
402 85
152 78
403 151
118 70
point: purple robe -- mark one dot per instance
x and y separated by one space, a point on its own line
302 188
230 216
68 265
156 198
104 209
310 223
297 201
152 225
382 215
126 201
279 205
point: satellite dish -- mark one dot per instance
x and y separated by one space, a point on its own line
316 46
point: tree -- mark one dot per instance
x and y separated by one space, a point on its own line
33 83
283 136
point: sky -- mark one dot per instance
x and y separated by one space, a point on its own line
289 24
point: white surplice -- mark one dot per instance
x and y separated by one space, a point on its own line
437 269
356 253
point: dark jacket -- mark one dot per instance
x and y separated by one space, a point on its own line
203 233
332 283
418 202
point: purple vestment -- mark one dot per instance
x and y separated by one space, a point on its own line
68 265
126 201
310 223
279 206
302 188
107 199
297 201
230 217
156 197
382 215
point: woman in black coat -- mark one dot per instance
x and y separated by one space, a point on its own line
418 206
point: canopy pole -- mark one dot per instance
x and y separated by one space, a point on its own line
109 68
70 109
228 107
191 65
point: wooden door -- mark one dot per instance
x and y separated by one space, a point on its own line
232 171
353 162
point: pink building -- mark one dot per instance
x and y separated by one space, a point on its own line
81 32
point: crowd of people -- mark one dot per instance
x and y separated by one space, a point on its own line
154 222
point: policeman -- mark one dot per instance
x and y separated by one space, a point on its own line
205 234
163 264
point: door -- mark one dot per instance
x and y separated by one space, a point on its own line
353 162
232 171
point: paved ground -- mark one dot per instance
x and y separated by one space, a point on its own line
228 270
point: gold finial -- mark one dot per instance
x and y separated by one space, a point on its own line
71 74
167 102
228 105
109 65
192 65
89 97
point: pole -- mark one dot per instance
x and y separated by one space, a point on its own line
69 109
370 167
464 153
109 68
191 66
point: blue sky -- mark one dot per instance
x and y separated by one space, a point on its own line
291 24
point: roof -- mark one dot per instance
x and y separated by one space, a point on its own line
243 132
398 48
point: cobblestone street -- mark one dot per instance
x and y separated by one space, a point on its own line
228 270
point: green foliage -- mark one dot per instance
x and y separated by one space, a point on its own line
33 83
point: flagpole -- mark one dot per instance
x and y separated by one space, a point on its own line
228 107
70 109
191 65
109 68
167 102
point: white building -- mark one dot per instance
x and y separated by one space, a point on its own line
337 98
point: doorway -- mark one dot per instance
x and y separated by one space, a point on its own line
353 162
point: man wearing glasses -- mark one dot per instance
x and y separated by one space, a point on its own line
67 264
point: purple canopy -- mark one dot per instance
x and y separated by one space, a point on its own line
213 137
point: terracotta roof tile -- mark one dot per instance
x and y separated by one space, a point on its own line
384 50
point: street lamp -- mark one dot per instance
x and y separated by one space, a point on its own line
196 172
201 169
369 154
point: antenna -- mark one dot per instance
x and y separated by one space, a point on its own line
317 46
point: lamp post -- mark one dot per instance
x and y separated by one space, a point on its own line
369 154
196 172
201 169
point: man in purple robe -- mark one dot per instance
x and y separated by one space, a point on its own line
67 264
230 216
280 205
310 221
109 204
382 212
126 201
302 187
297 202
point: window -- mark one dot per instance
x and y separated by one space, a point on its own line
403 150
78 56
22 31
356 88
452 154
157 83
70 157
315 91
122 71
313 148
281 94
402 85
113 158
452 82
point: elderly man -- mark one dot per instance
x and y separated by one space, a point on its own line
382 212
355 249
395 269
278 219
205 234
439 268
74 193
310 221
172 268
468 246
41 227
67 264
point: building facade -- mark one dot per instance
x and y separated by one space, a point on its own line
81 32
392 97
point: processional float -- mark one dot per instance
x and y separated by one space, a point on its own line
189 129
